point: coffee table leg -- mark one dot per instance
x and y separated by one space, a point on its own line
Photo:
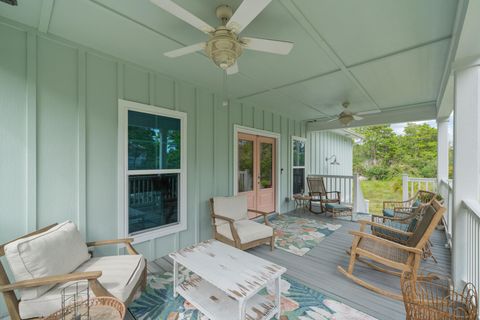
175 278
278 296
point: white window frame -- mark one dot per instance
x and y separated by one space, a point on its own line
123 107
304 167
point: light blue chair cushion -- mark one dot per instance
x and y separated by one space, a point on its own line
337 206
397 225
388 212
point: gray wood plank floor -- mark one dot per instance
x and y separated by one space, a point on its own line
318 269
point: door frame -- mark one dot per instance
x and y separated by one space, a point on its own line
242 129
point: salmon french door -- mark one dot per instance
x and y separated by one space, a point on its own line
256 171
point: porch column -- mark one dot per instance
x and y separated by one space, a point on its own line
442 149
466 157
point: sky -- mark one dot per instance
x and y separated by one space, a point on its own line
398 127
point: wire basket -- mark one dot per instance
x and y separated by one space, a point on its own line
433 298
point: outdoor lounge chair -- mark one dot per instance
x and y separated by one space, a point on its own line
388 256
232 226
406 220
49 260
318 192
402 209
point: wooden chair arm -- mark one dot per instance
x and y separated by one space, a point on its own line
77 276
233 230
265 219
128 244
382 226
385 242
261 212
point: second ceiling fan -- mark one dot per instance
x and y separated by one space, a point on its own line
224 45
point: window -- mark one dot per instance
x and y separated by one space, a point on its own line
154 175
298 165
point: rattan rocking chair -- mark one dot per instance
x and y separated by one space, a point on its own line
389 256
406 220
403 209
318 192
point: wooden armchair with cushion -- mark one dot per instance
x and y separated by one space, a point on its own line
318 192
389 256
48 260
231 224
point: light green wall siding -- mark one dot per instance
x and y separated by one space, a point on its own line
322 144
58 138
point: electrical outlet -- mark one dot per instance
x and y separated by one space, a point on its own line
287 199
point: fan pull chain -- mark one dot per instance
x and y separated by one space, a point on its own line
225 90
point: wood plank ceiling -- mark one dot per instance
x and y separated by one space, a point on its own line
377 54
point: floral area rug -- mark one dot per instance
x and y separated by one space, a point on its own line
299 235
298 302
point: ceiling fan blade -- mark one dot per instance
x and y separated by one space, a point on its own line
334 119
247 11
233 69
266 45
185 50
355 117
174 9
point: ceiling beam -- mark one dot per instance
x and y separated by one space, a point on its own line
457 30
300 18
45 15
416 112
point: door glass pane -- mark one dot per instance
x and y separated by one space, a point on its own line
152 201
245 165
153 141
298 180
298 153
266 154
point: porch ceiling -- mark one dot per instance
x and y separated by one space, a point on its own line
378 54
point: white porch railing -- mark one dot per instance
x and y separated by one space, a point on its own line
472 234
445 189
350 191
410 185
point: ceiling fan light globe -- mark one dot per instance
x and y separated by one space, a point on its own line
224 48
346 119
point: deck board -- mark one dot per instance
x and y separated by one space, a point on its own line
318 269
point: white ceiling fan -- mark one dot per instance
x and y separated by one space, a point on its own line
347 116
224 45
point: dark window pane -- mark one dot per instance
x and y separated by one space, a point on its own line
266 154
298 181
245 165
298 153
152 201
153 142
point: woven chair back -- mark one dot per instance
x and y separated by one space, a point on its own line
429 220
316 184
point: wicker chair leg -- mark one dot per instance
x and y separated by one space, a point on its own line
272 243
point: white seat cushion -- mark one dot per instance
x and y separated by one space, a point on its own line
59 250
120 274
247 230
235 208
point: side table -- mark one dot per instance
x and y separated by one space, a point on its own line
301 200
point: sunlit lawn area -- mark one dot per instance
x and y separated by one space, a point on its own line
378 191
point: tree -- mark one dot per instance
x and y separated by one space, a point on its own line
383 154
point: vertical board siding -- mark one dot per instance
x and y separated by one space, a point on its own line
68 150
57 144
322 144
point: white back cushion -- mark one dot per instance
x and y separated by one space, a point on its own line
235 208
57 251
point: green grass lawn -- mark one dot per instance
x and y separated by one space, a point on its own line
379 191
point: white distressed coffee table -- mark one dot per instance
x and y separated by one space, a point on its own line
226 281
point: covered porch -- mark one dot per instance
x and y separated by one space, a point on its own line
100 128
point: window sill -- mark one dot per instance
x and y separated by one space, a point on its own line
158 233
